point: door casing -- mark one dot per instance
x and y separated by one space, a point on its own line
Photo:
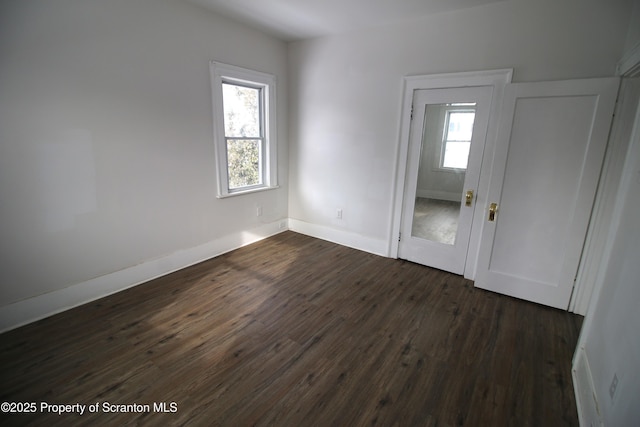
496 78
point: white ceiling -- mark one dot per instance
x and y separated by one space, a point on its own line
299 19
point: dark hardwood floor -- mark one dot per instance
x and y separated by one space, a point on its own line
295 331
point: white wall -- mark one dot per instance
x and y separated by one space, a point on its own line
609 342
610 338
345 93
633 35
106 149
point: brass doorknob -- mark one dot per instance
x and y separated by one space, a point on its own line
493 208
468 198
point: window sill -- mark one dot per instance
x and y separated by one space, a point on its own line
248 191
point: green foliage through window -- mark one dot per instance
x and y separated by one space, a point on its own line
243 158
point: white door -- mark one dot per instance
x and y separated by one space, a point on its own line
446 143
549 151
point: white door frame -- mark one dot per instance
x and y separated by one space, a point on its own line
616 173
629 66
496 78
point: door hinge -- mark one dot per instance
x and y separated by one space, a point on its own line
411 115
399 236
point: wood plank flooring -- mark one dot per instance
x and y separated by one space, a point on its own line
295 331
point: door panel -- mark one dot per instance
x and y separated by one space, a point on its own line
551 143
443 165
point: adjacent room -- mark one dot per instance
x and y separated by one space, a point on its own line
286 212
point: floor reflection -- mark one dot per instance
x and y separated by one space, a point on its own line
436 220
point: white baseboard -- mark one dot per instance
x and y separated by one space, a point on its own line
586 401
341 237
41 306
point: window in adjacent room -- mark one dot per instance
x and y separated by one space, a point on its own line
244 129
456 141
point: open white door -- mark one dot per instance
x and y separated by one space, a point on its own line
549 151
446 144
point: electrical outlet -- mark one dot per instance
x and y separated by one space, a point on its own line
339 213
613 386
283 225
259 211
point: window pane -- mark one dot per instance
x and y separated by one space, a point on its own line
241 106
456 154
244 159
460 126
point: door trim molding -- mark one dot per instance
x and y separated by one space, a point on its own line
629 65
619 138
498 79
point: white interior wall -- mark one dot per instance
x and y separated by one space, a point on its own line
633 33
345 94
106 149
609 338
106 157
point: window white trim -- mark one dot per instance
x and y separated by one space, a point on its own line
242 76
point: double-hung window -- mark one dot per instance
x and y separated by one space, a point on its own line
456 140
244 111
